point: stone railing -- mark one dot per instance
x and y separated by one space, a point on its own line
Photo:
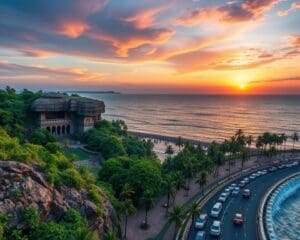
265 227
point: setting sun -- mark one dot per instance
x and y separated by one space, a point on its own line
242 86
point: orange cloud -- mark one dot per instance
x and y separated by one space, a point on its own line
145 18
53 74
232 12
294 40
294 6
72 28
135 40
222 60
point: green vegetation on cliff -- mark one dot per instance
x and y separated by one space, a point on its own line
18 142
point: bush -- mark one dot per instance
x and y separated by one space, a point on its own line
30 217
95 196
50 231
140 174
54 147
41 136
108 145
71 178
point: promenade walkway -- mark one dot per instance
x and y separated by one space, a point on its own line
157 216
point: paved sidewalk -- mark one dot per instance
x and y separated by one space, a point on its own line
157 215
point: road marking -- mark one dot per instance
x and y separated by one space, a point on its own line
225 210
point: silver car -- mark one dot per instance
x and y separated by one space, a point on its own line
201 221
215 229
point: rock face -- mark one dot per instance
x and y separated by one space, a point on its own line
24 186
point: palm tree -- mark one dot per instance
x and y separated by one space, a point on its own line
127 209
194 210
202 181
179 180
284 138
148 202
240 137
179 143
188 173
169 184
259 145
295 138
176 217
169 150
127 192
243 157
249 140
216 155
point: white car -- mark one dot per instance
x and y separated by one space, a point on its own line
215 229
235 191
253 176
216 210
227 191
201 221
232 186
264 172
200 235
246 180
223 197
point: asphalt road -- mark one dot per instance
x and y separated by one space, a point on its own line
248 208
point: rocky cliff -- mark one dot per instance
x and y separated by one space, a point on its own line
24 186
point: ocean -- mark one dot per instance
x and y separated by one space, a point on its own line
204 118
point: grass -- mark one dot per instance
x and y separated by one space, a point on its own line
78 153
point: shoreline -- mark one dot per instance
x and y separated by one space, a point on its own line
167 138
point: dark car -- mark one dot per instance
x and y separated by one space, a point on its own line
246 193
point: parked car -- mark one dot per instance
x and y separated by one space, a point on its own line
281 166
264 172
246 193
273 169
215 229
235 191
238 219
253 176
246 180
232 186
242 184
223 197
201 221
228 191
216 210
200 235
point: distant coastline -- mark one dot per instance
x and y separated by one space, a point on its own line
92 92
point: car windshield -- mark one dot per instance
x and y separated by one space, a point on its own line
215 228
238 216
215 208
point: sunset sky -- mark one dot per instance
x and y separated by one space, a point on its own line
147 46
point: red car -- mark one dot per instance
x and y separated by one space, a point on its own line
238 219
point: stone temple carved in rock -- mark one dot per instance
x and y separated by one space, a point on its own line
64 115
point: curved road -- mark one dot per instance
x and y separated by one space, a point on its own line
248 208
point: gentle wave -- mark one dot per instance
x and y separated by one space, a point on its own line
204 118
